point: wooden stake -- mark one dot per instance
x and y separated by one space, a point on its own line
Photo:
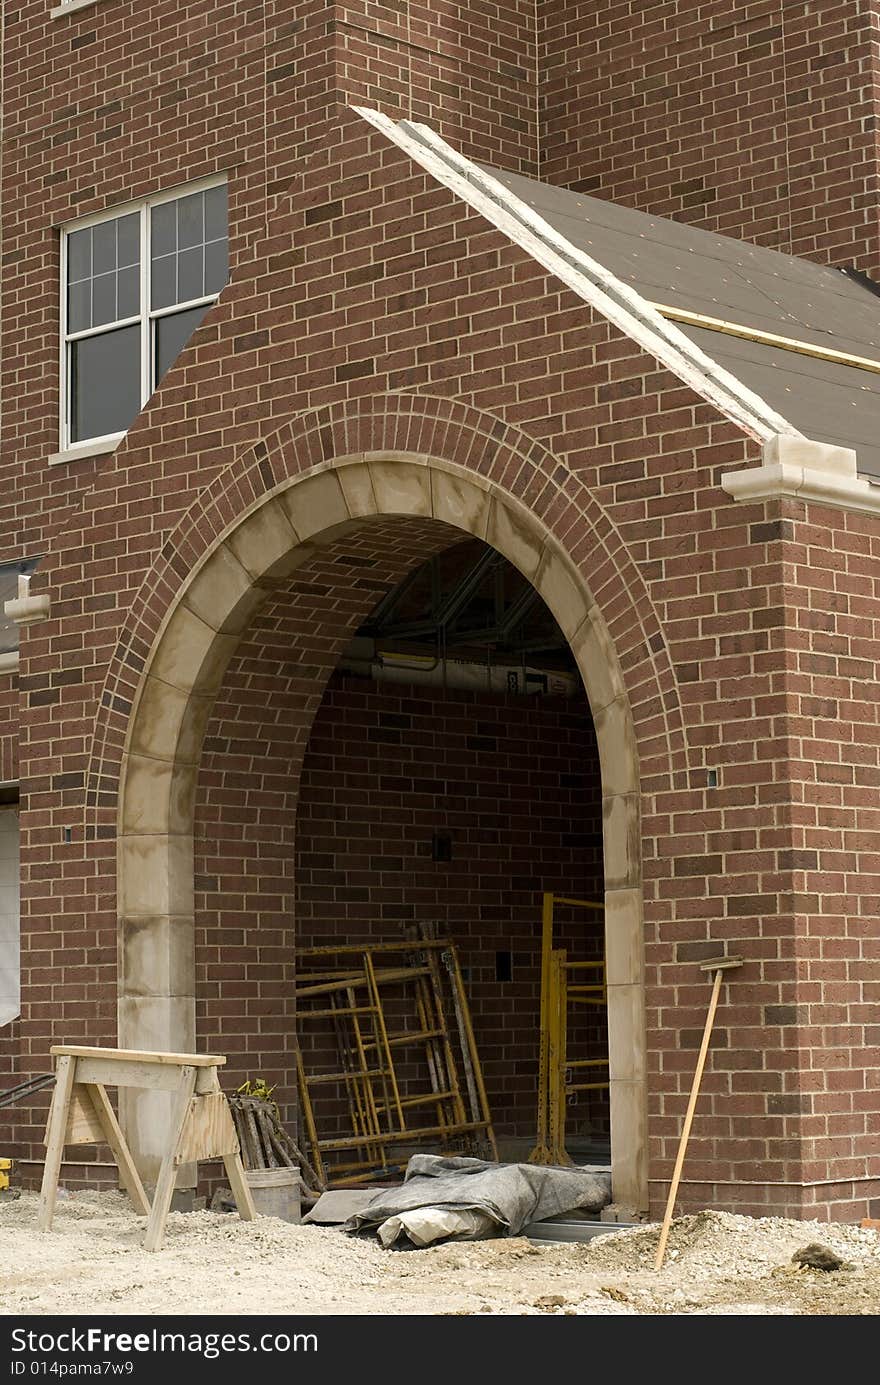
719 967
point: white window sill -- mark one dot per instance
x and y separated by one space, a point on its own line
84 450
9 662
71 8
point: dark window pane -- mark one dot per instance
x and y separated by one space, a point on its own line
128 290
104 247
163 229
216 266
105 383
79 255
190 223
172 334
79 306
164 281
216 213
128 239
190 274
103 299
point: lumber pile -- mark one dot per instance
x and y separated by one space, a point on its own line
263 1141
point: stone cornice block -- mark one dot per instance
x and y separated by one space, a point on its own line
27 610
802 469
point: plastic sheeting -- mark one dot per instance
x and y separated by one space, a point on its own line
504 1196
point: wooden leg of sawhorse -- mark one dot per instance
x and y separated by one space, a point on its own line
240 1187
55 1132
168 1172
121 1152
235 1171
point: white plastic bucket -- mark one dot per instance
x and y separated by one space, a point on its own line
276 1192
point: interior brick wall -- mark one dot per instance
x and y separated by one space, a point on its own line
753 118
514 783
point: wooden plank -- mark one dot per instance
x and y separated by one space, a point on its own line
209 1131
405 945
168 1171
401 1137
386 977
83 1126
135 1055
264 1125
56 1125
253 1146
116 1140
107 1072
761 338
239 1185
450 959
541 1153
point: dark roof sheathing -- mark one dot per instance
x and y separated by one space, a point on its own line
681 267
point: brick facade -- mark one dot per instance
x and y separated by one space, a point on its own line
369 311
756 119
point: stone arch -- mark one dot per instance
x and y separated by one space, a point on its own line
273 535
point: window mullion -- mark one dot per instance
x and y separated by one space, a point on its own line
172 308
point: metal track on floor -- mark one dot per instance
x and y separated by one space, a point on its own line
554 1232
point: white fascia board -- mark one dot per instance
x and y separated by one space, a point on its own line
591 281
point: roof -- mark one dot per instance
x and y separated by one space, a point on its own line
756 332
682 267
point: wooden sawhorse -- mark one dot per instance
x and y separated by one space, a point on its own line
201 1124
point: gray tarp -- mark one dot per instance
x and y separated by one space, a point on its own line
510 1194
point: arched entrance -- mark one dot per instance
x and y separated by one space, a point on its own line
271 539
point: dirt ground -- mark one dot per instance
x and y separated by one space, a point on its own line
92 1262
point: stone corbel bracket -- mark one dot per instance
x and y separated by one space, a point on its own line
805 470
25 609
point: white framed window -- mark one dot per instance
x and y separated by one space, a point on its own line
135 284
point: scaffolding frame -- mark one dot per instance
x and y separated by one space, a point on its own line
555 1070
349 986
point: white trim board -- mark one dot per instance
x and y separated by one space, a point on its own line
591 281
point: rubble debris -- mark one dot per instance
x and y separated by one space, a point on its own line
223 1200
817 1256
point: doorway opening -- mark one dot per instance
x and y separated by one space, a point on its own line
451 778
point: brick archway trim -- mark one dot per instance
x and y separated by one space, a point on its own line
499 456
252 535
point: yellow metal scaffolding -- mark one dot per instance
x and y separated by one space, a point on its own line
555 1071
351 989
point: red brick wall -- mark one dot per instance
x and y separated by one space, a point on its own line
514 782
467 69
116 102
8 728
420 329
755 118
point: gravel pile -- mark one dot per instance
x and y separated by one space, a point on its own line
721 1243
93 1261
